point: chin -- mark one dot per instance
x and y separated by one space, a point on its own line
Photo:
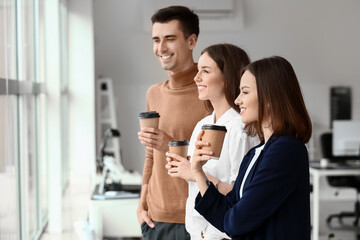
244 120
203 98
165 67
168 66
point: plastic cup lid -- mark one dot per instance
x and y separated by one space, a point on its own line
213 127
152 114
178 143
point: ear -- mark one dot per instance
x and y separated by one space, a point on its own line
192 41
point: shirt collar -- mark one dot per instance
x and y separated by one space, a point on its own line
226 117
184 78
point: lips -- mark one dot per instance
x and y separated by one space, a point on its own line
201 87
165 57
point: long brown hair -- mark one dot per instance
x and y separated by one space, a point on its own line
231 60
280 97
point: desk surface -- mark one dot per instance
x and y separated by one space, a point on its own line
334 169
316 171
120 193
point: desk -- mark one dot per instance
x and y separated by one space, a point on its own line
316 172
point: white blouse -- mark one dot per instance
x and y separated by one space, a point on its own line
253 161
236 145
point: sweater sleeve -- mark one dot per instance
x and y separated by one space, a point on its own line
273 182
148 164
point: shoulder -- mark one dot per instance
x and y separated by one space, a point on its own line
286 141
284 148
285 155
205 120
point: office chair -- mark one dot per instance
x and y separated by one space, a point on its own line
341 181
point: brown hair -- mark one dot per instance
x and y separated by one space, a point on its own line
280 97
189 21
231 60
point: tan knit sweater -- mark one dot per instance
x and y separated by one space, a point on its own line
180 109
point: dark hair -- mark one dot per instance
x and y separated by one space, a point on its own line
279 96
189 21
231 60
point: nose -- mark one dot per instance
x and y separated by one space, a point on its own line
162 46
238 100
197 77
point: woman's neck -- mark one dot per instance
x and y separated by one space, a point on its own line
220 107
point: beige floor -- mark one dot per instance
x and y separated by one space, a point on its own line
75 206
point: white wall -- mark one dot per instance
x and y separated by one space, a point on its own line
320 38
81 87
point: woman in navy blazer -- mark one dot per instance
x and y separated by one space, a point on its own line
271 197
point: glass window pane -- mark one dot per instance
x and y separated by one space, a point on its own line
26 72
7 39
64 94
41 120
3 41
41 58
43 172
26 25
9 212
8 175
27 158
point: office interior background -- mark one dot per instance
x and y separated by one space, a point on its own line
52 53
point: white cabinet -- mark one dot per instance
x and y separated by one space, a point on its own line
114 218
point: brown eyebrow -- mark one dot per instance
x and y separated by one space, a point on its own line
167 36
244 87
205 67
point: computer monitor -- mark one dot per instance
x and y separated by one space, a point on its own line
346 138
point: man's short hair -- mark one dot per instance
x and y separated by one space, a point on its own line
189 21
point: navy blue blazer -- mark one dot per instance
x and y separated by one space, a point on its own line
276 198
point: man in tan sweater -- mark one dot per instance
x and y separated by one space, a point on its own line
161 211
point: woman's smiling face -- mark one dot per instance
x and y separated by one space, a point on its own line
248 99
209 79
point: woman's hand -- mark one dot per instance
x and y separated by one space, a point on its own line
178 166
200 156
198 160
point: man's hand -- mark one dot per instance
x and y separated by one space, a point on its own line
143 216
154 138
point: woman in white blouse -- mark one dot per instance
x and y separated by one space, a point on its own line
218 78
